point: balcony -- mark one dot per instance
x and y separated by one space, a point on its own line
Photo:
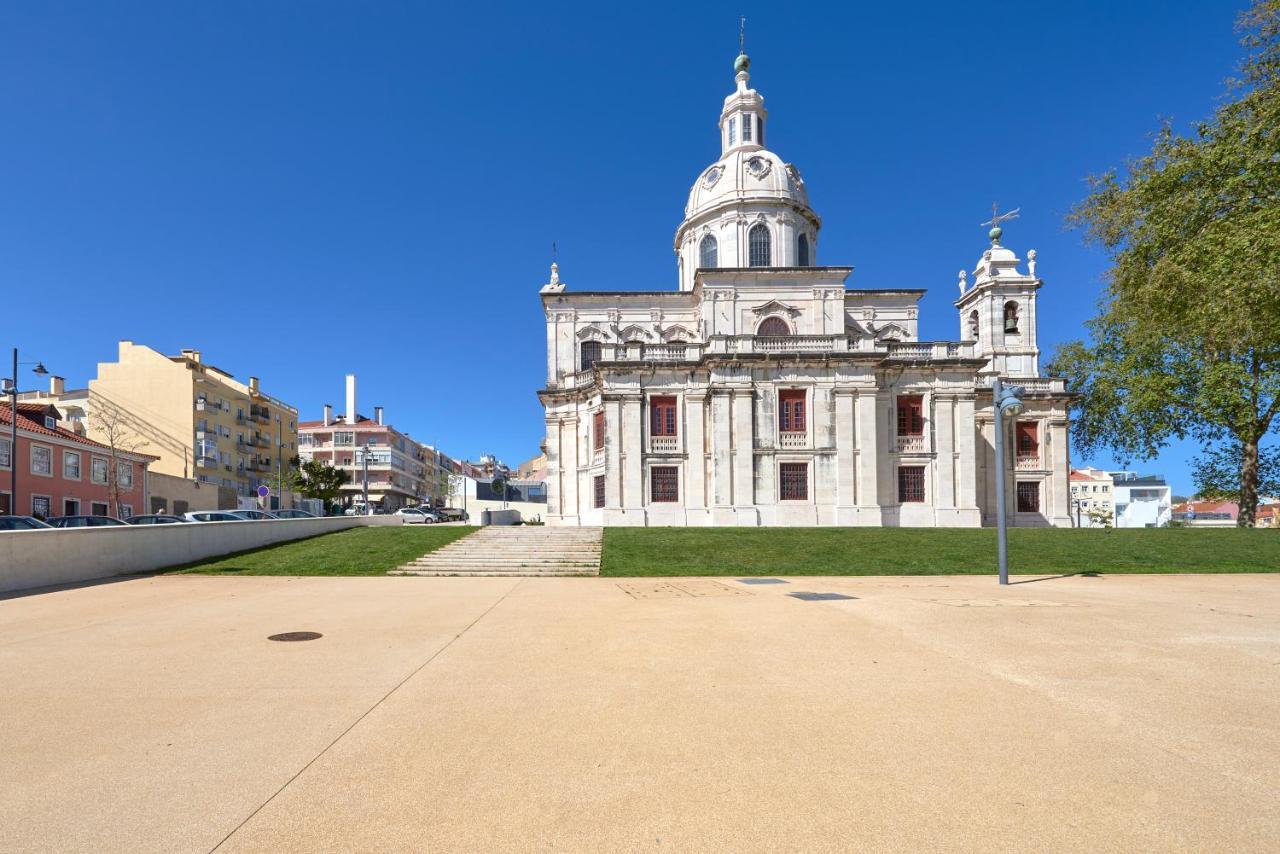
931 350
669 353
791 439
912 444
205 462
1027 462
1033 385
664 444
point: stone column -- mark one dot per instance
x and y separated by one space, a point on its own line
870 444
1057 485
744 450
721 456
695 484
631 464
966 456
569 442
846 495
554 471
944 497
612 453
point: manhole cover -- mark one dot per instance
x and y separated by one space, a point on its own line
819 597
762 581
296 636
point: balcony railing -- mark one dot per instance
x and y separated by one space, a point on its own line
664 444
1033 385
911 444
669 353
931 350
798 344
1027 462
207 462
793 440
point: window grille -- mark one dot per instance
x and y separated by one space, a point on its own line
664 484
746 127
1028 497
794 480
599 487
589 354
599 431
910 484
733 131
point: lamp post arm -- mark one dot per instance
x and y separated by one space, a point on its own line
1002 545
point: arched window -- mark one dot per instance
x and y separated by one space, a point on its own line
1010 318
589 355
758 240
974 326
709 252
773 326
802 251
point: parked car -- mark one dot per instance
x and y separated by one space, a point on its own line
21 523
153 519
251 515
451 514
416 516
210 516
293 514
84 522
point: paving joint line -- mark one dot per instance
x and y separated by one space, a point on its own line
364 715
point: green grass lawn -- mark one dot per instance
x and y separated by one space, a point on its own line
356 551
932 551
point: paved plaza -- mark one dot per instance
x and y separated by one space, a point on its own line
594 714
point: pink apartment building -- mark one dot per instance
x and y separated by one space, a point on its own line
63 474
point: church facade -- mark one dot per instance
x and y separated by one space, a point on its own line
766 391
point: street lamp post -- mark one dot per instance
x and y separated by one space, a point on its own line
13 426
1004 401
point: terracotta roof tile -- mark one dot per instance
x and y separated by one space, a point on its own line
31 418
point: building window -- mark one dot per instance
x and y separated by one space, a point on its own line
98 471
1027 436
760 129
760 245
589 354
733 130
41 460
662 416
910 415
50 422
746 127
794 481
124 473
5 509
1010 318
344 438
802 251
40 506
71 467
773 327
1028 497
70 507
791 411
599 487
664 484
709 252
910 484
98 508
6 453
126 510
598 431
974 325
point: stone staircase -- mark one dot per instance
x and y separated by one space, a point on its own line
517 550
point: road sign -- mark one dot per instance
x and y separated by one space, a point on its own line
264 491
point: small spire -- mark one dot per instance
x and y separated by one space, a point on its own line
743 62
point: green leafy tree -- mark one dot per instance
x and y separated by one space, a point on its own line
1187 339
317 479
1217 472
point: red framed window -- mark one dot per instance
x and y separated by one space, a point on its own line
910 415
910 484
662 416
1028 497
599 489
793 480
791 411
597 428
1027 438
664 484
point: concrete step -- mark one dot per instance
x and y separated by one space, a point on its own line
513 552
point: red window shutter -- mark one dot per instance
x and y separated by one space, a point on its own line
599 430
1028 435
791 417
662 416
910 415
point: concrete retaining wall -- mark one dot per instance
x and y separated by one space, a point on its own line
64 555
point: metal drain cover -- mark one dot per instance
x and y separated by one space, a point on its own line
295 636
819 597
762 581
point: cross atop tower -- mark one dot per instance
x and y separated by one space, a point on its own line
997 218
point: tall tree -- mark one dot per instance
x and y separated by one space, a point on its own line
112 427
1187 339
317 479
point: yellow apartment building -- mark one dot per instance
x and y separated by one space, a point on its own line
201 422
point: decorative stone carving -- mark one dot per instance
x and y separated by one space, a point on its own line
773 306
964 282
1031 263
758 167
712 175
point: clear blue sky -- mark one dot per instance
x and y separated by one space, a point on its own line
306 189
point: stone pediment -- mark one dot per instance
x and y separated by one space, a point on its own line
773 306
893 330
590 333
677 331
634 332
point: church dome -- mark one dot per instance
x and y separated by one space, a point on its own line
746 175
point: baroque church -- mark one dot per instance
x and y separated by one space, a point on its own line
766 391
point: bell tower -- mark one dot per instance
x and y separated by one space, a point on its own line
998 310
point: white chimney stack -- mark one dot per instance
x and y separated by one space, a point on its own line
328 414
377 414
351 398
57 385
